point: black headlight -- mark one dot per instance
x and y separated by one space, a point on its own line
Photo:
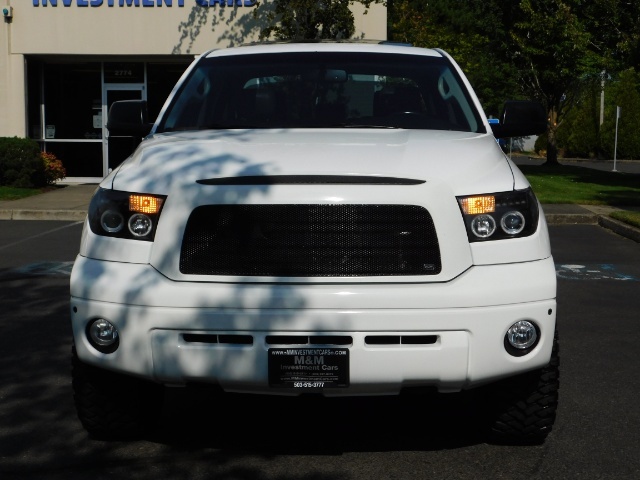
125 215
497 216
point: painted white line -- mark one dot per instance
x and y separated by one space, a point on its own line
26 239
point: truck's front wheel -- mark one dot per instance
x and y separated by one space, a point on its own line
523 408
113 406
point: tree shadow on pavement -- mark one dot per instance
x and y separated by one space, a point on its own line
202 417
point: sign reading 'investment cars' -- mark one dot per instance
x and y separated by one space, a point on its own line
141 3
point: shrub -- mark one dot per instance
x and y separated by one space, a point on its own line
53 168
541 145
20 163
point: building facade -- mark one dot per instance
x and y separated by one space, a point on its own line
63 62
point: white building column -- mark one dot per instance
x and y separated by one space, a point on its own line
12 85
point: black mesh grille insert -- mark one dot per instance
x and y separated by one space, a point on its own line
310 240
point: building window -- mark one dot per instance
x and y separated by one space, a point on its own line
65 105
72 99
161 78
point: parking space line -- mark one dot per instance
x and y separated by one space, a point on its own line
26 239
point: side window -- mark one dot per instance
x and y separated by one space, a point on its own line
194 103
457 109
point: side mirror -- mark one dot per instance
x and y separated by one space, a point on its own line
521 118
128 118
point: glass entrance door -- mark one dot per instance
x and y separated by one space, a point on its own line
117 148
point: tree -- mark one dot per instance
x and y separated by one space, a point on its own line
625 92
474 32
614 26
565 44
552 48
579 133
308 19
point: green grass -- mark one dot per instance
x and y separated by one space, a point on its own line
579 185
12 193
630 218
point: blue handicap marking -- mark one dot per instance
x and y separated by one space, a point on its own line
603 271
46 268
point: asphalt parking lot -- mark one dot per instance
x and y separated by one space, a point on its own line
202 436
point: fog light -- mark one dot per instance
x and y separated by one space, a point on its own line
521 336
483 226
140 225
103 335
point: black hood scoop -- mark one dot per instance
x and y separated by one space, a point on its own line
309 180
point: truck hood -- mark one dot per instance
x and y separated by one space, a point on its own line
165 162
188 168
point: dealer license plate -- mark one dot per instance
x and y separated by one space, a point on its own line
309 368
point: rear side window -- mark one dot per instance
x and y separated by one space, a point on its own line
321 90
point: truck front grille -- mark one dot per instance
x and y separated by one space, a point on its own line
310 241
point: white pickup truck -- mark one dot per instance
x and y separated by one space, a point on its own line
322 218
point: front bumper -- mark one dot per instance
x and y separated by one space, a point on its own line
468 317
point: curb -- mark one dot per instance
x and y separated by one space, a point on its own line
620 228
60 215
602 220
571 218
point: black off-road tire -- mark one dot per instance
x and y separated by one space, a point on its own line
112 406
523 408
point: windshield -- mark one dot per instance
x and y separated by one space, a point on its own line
322 90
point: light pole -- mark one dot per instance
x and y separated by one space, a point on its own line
615 145
602 99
